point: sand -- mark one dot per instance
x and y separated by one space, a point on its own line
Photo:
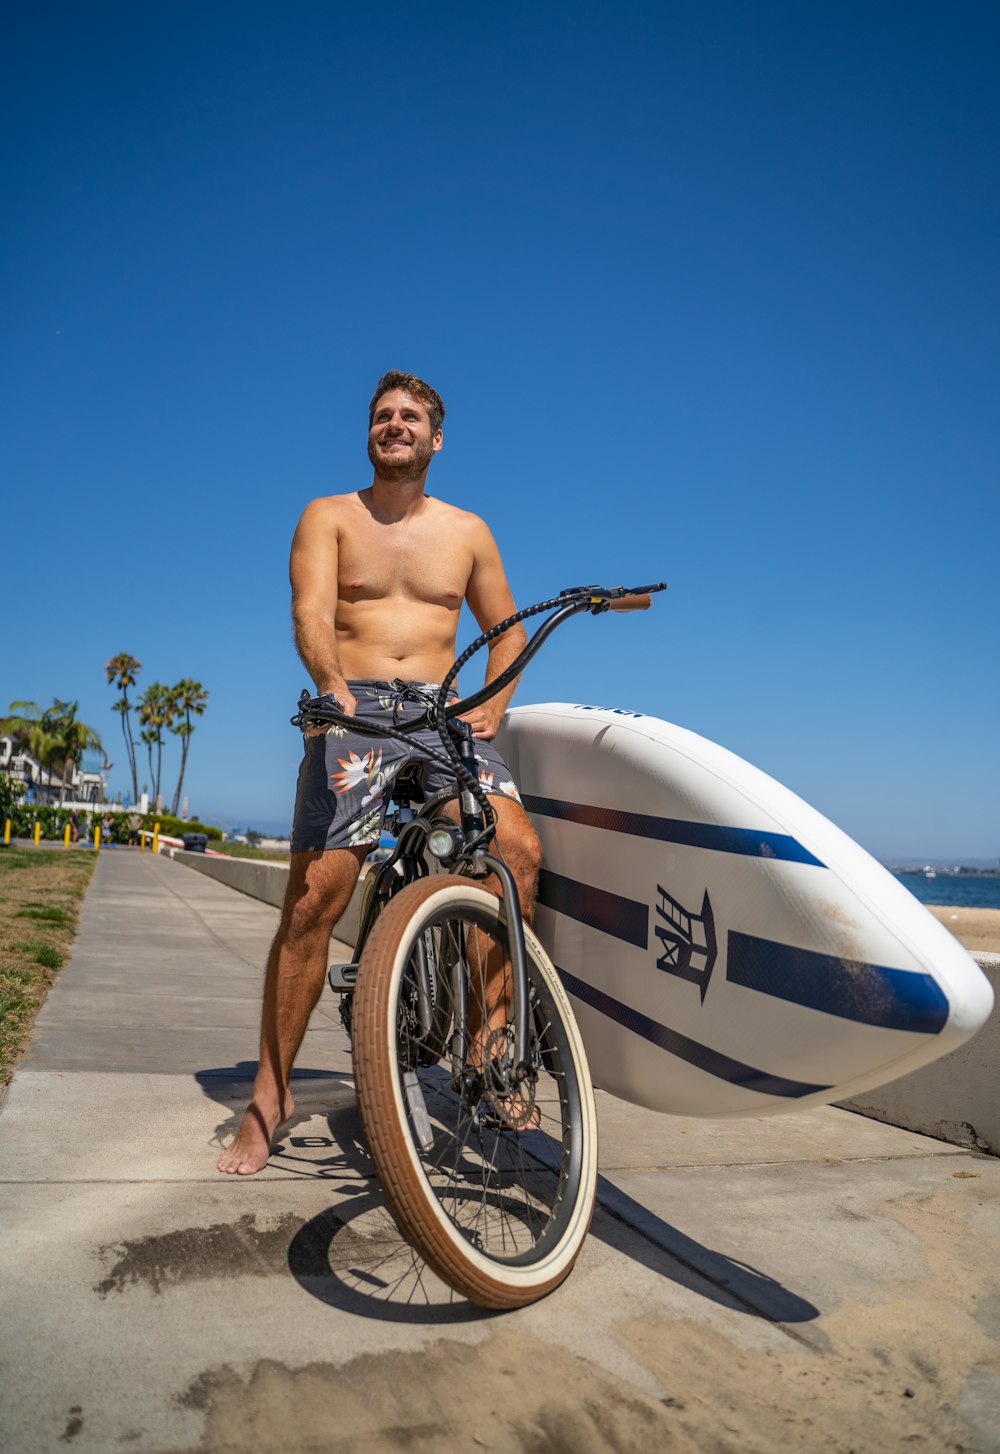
910 1364
977 929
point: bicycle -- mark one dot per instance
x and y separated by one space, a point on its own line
470 1073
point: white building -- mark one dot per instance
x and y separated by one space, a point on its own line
79 788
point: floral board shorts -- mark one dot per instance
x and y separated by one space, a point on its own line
345 781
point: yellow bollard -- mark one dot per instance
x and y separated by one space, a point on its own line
142 840
66 836
6 834
38 831
156 837
97 840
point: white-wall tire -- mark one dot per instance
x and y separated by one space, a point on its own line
500 1215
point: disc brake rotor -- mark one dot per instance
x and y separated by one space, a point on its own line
512 1104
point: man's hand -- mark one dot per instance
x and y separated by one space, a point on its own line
484 721
346 702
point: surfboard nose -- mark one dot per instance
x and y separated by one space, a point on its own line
975 1005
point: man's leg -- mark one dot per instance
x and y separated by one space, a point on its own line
319 887
520 847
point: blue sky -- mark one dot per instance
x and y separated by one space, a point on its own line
710 294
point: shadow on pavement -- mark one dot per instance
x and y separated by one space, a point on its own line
245 1070
352 1256
674 1254
229 1087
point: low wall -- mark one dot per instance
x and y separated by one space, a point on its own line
956 1099
254 876
261 879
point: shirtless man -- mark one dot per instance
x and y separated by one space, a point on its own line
378 579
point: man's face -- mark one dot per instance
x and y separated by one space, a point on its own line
400 441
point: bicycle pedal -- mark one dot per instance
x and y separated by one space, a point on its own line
343 977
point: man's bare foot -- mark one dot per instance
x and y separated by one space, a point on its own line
250 1148
516 1112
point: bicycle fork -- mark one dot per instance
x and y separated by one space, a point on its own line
472 824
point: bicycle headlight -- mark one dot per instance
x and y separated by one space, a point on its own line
441 842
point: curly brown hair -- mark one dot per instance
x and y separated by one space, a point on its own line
412 385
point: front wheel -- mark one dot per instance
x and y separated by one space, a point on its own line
494 1190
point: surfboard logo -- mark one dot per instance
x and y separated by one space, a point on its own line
687 942
618 711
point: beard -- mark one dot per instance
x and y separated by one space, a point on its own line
398 469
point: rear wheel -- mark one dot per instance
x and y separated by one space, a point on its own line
494 1188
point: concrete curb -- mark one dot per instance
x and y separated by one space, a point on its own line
957 1098
256 877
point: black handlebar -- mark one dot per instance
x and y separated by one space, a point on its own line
613 597
323 710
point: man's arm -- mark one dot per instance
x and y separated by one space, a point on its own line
312 570
490 601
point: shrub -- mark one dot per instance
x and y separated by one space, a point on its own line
177 827
11 791
25 815
53 820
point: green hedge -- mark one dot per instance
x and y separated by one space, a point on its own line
53 821
11 793
177 827
23 817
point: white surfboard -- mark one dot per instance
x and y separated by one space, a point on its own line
728 950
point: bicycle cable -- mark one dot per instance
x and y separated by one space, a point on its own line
313 711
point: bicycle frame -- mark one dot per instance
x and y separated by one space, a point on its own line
409 856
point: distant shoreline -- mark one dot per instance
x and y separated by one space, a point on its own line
947 872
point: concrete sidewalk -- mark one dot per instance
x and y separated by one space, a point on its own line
814 1281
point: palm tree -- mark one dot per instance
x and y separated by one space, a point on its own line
55 720
53 736
72 740
156 711
121 671
28 725
148 739
189 698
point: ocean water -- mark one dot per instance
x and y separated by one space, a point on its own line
956 890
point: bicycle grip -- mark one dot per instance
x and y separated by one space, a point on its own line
638 602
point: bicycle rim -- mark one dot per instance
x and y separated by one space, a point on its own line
500 1214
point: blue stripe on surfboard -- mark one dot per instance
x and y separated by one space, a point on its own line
713 1062
611 913
871 994
748 842
868 994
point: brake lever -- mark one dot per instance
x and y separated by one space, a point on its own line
311 708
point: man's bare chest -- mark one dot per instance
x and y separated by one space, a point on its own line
420 565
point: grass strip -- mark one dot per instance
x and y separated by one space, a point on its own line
40 894
49 916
